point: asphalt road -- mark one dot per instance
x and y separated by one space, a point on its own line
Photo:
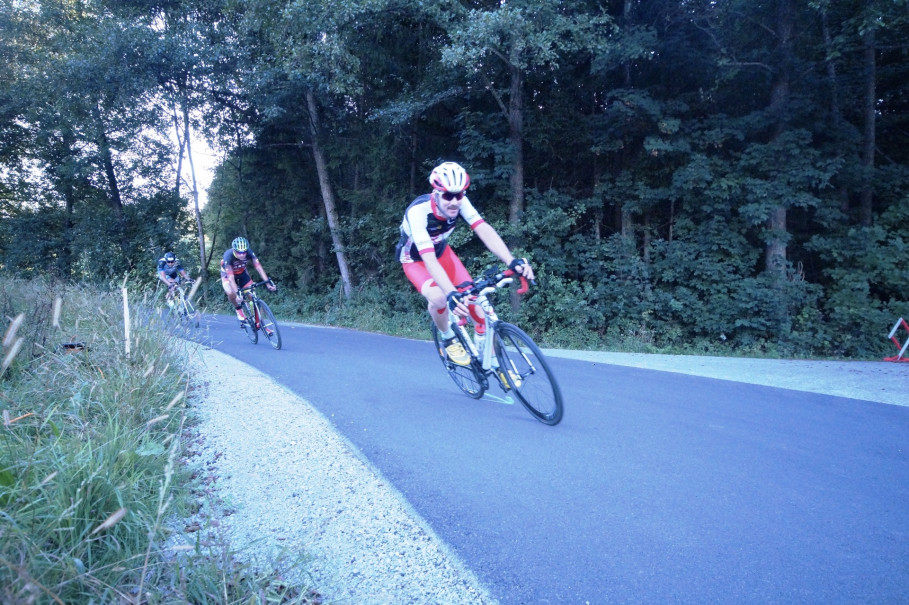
657 487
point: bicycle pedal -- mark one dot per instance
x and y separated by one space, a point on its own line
502 382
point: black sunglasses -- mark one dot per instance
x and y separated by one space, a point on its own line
170 262
448 196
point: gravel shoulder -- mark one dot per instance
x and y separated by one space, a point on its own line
881 381
293 485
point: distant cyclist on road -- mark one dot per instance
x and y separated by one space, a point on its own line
169 271
432 266
234 275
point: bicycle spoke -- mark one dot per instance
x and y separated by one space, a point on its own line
528 373
471 381
268 324
249 325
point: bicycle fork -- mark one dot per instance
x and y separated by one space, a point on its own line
490 362
257 321
486 355
250 300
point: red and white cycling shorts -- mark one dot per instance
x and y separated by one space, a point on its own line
418 275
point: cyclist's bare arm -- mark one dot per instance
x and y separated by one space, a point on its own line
494 242
261 271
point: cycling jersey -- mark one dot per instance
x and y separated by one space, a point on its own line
171 271
424 228
231 264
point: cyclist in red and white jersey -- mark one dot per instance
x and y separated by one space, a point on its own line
429 262
234 275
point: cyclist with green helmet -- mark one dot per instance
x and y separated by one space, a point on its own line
234 275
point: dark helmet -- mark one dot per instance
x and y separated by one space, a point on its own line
170 257
240 244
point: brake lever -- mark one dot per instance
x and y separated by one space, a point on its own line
524 285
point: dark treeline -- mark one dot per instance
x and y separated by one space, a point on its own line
731 175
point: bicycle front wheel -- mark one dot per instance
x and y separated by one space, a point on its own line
268 325
472 382
192 316
249 326
528 373
180 309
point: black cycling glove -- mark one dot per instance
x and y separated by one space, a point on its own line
454 298
515 262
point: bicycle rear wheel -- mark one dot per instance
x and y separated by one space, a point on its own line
528 373
249 326
268 324
468 378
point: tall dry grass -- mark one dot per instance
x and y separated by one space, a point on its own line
93 396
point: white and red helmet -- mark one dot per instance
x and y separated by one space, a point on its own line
449 177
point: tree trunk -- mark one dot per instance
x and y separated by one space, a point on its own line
646 238
869 129
626 220
328 197
107 160
67 185
192 171
775 248
113 187
835 110
180 148
516 139
627 223
413 160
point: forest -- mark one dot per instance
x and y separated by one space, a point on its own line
724 177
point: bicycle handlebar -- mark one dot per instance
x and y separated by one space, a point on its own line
492 277
256 284
524 285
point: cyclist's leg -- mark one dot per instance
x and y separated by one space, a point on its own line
232 292
244 280
437 305
461 278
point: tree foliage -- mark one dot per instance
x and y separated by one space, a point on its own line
694 174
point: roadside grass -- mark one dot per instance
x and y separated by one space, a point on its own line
94 479
401 312
556 324
375 308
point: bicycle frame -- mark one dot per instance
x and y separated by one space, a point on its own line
259 315
179 293
249 295
487 355
507 353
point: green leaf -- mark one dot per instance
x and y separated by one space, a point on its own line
150 449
